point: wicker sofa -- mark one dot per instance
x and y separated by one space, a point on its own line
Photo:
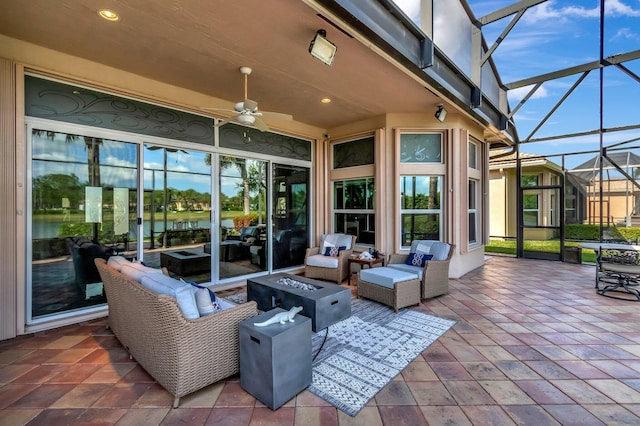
183 355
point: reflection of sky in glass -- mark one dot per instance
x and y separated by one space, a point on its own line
68 155
186 169
423 183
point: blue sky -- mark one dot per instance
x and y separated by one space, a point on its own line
558 34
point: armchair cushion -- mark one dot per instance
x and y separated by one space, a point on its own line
322 261
336 240
418 259
440 251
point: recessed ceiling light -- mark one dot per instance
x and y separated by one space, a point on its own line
325 100
109 15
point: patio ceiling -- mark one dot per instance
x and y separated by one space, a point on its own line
200 46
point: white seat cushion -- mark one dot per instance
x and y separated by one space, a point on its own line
386 277
407 268
322 261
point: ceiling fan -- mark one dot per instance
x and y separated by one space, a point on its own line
247 113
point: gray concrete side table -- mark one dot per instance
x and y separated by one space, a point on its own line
275 360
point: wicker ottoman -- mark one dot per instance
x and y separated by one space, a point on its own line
389 286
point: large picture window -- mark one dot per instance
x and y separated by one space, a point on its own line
420 208
353 208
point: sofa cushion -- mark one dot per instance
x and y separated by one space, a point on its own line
418 259
183 293
136 271
322 261
386 277
116 262
408 268
206 299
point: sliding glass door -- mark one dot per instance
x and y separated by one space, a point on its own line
177 212
290 215
83 206
242 246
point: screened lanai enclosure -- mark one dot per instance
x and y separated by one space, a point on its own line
572 176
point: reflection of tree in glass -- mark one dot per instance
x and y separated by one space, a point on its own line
226 163
93 158
48 191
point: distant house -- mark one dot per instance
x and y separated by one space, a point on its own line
541 206
620 196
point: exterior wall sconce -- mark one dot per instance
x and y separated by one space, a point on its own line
441 113
321 48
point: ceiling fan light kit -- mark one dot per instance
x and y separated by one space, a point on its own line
246 111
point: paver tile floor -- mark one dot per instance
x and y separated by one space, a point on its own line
534 345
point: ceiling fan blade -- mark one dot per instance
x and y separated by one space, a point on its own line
276 115
219 109
260 125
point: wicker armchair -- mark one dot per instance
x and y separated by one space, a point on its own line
182 355
434 276
317 265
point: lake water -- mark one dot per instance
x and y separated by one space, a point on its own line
52 229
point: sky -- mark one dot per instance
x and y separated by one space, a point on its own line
556 35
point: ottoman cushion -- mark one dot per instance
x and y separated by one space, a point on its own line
386 277
408 268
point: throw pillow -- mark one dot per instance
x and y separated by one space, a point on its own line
333 251
205 298
418 259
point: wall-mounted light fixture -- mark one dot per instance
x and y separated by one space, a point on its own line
441 113
321 48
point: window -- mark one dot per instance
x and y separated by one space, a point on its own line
421 148
529 180
473 157
420 208
353 209
531 211
473 211
353 153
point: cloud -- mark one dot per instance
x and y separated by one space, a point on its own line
625 34
515 95
547 12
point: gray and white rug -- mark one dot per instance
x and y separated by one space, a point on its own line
367 350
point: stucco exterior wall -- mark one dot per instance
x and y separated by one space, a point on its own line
30 58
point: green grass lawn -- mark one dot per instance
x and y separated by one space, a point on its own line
550 246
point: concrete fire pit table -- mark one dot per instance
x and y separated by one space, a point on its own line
325 303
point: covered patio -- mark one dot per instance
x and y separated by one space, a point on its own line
534 344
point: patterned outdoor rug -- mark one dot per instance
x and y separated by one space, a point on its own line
366 351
